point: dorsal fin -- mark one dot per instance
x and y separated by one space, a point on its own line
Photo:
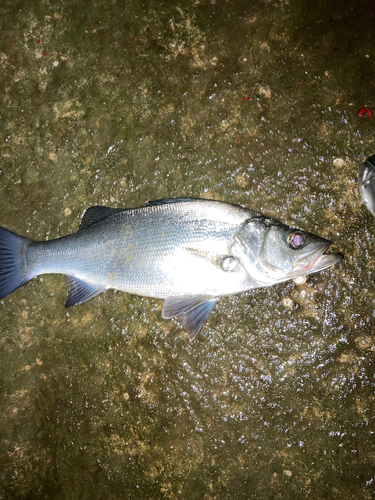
164 201
95 214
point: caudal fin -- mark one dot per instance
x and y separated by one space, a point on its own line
13 270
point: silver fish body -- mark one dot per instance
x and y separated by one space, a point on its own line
367 183
189 252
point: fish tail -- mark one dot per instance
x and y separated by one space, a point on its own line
13 269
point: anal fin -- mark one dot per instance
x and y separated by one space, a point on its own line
80 291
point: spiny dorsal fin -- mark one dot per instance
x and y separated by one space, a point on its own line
79 291
95 214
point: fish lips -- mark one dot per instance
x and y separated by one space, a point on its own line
317 259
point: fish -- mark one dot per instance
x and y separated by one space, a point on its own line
367 183
189 252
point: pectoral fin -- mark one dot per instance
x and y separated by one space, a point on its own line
192 310
79 291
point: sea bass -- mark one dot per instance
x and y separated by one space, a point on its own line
367 183
187 251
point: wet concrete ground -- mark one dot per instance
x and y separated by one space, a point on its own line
254 103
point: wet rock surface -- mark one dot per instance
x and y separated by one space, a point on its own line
255 104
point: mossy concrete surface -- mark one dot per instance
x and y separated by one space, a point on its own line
255 103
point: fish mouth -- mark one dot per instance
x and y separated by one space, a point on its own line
317 259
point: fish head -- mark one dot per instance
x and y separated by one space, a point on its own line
367 183
272 252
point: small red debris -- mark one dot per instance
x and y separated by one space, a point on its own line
365 111
38 41
44 53
133 39
246 98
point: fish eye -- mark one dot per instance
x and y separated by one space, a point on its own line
296 239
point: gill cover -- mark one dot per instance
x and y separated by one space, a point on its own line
249 246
